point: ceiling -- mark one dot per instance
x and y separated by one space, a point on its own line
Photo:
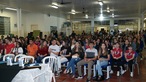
120 8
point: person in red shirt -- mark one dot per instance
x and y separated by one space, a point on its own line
42 51
129 56
9 45
116 58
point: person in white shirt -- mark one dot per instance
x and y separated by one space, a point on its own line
18 49
88 59
54 50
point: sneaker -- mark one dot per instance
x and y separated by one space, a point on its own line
118 73
57 75
111 72
80 77
88 80
140 58
131 74
123 72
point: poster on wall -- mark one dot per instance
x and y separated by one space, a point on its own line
53 29
34 27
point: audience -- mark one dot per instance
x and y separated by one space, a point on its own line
119 48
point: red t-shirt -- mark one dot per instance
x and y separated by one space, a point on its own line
117 52
129 54
8 48
43 50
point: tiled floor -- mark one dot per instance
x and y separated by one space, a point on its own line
124 78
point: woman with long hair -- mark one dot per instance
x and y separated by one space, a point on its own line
42 51
103 58
77 55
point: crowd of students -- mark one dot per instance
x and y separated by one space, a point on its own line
119 48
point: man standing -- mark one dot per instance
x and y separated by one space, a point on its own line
90 56
32 48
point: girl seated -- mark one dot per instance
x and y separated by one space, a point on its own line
117 59
18 49
129 56
77 55
103 58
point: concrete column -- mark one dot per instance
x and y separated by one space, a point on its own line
92 27
142 21
111 26
19 22
139 24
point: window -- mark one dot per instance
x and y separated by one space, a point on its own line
4 25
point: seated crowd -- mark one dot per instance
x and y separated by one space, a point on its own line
80 50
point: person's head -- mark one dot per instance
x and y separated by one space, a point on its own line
117 45
77 44
18 44
115 40
44 43
53 41
8 40
126 42
31 41
63 43
13 39
103 46
91 44
1 41
130 47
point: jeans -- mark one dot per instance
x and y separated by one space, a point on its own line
72 63
99 65
39 59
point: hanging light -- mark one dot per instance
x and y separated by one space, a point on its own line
113 15
100 3
73 11
86 16
101 17
108 9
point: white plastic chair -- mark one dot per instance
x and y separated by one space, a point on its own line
52 61
8 55
46 70
94 70
18 56
27 58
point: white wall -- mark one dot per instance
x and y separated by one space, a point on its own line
43 21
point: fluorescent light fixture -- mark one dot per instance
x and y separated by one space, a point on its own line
115 24
86 16
53 6
108 9
73 12
54 3
113 15
100 3
101 17
11 9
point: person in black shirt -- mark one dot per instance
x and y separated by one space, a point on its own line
103 58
